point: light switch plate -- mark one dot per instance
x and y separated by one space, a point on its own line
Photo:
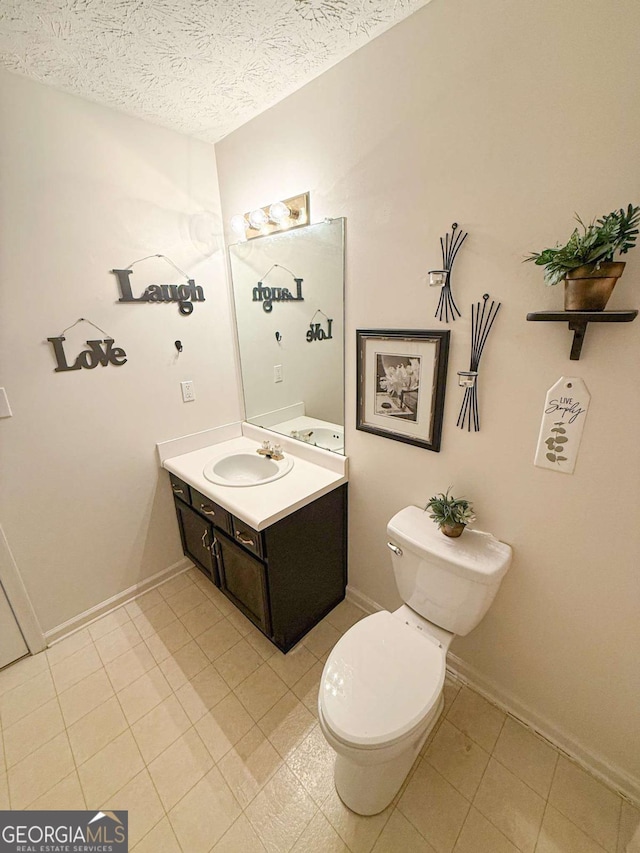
5 408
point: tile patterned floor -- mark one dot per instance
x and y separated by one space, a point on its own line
176 708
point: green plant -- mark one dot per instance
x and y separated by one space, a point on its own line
595 244
445 509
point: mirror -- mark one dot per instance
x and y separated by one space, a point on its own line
289 297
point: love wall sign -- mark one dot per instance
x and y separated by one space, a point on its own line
98 352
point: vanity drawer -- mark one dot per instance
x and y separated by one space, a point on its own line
179 488
211 510
247 537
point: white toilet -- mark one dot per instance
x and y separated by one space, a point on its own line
381 688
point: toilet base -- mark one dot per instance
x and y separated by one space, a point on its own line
367 788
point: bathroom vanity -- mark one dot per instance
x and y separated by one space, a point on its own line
277 550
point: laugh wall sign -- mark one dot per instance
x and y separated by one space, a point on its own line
565 411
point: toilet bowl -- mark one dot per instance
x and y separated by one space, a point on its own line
381 689
380 696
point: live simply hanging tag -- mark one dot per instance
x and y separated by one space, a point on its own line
565 411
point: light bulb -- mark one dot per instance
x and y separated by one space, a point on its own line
278 212
258 218
239 224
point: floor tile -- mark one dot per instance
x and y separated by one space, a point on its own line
292 666
629 832
4 792
130 666
358 833
144 602
202 817
160 727
218 598
249 765
345 616
451 690
458 758
186 599
140 799
174 585
313 762
67 795
40 771
161 839
480 836
142 695
109 622
240 838
559 835
261 644
117 642
203 692
510 805
400 836
307 688
224 725
182 665
76 667
84 696
587 803
260 691
527 756
68 646
22 671
168 640
477 718
321 837
281 812
32 732
218 639
96 729
322 638
180 767
201 618
434 807
110 770
287 724
238 663
26 698
240 622
154 619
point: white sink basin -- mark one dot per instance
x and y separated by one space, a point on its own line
329 439
246 469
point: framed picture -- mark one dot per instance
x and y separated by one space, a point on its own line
402 376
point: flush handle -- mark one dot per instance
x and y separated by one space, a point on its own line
397 551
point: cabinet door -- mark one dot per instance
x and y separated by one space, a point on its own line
197 540
244 580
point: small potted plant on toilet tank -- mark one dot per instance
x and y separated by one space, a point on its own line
450 514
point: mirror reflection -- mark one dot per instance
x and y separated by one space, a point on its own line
289 297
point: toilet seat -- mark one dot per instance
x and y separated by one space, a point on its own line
380 682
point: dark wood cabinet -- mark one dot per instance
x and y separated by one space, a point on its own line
284 578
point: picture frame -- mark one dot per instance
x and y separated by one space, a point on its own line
401 384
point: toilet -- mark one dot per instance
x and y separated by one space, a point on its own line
381 690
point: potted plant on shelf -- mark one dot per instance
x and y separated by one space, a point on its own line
585 263
450 514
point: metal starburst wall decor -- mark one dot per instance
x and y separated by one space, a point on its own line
481 322
450 246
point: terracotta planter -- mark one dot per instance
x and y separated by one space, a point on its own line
589 289
453 530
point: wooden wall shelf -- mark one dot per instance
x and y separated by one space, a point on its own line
578 322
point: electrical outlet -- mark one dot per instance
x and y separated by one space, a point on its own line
277 373
188 391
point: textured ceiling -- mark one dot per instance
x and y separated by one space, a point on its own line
202 67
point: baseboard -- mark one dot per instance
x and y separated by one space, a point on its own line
597 766
84 619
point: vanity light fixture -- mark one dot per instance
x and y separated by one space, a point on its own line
278 216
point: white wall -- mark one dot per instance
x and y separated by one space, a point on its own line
84 189
505 117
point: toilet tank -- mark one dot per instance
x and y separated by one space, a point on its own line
450 582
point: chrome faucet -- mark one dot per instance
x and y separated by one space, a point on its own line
271 451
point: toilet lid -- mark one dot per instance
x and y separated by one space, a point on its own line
380 681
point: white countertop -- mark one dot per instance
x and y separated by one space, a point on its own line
260 505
